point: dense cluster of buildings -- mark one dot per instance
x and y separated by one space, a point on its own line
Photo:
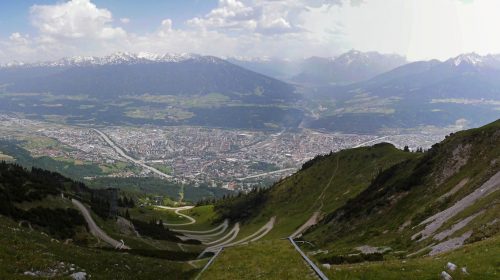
219 157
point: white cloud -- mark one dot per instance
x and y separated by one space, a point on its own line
19 39
270 17
421 29
125 20
230 14
74 19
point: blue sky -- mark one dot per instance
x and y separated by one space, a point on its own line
34 30
14 15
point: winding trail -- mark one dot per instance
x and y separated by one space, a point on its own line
201 235
267 173
95 230
314 219
371 141
217 248
230 236
177 211
261 232
209 236
256 235
224 226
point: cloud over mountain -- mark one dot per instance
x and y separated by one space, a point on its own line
259 28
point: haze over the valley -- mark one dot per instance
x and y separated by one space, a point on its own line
250 139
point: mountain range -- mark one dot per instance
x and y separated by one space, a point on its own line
466 87
372 90
150 89
465 76
353 66
350 67
136 74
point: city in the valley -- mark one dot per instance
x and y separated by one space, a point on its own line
226 158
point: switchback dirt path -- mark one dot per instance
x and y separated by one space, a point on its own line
95 230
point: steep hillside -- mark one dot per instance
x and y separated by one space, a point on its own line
324 184
380 213
24 194
26 254
425 205
51 226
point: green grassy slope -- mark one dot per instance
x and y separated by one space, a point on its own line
323 186
480 259
378 197
273 259
389 212
54 231
22 250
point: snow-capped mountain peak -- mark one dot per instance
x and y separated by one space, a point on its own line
351 57
113 59
467 59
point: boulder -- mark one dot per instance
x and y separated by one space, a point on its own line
451 266
445 276
79 276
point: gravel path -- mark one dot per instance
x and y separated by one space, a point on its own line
222 226
95 230
311 222
178 212
261 232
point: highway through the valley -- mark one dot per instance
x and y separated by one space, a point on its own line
129 158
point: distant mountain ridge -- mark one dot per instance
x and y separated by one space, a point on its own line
113 59
372 90
464 76
282 69
353 66
465 87
144 88
144 73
